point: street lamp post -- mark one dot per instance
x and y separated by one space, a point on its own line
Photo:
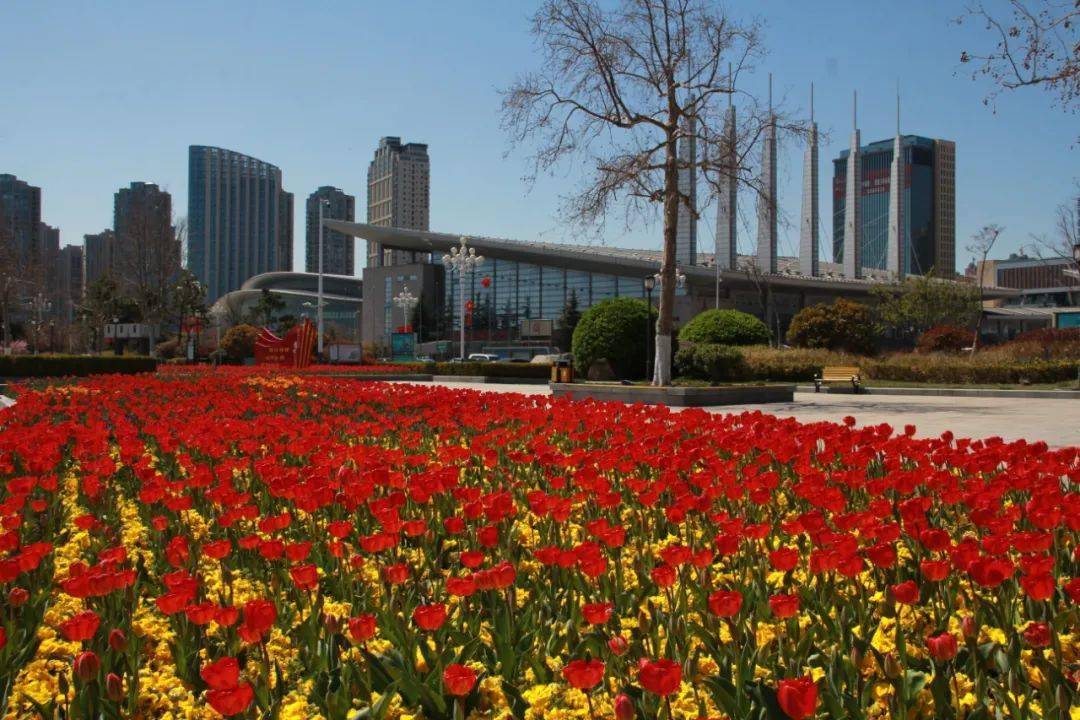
462 260
39 304
407 302
323 202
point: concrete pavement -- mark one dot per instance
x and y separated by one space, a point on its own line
1057 422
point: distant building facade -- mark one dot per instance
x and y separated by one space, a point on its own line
142 225
20 214
1042 282
338 253
928 219
399 181
239 219
98 250
69 282
49 252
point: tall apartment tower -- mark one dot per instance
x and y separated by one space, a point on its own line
686 222
69 282
852 259
767 200
810 218
338 256
285 231
399 181
944 208
727 200
49 252
239 219
142 224
98 251
20 215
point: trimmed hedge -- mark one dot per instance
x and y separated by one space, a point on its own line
484 369
933 368
716 363
843 325
19 366
614 329
724 327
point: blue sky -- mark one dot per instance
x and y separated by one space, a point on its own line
96 95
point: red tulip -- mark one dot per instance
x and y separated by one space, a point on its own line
618 645
1037 634
784 559
1038 586
624 707
222 674
942 647
430 617
118 640
17 597
459 679
797 697
81 627
362 628
86 665
597 613
114 687
725 603
784 606
3 637
232 701
584 674
660 677
306 577
663 576
906 593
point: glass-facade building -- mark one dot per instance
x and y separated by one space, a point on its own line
239 219
298 293
919 197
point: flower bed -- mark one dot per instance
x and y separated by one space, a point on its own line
272 544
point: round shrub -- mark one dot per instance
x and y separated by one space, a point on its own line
239 342
725 327
844 325
716 363
945 338
614 329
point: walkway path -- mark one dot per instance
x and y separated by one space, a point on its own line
1057 422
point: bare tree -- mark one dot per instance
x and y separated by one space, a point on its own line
981 245
1063 244
148 261
1037 45
620 87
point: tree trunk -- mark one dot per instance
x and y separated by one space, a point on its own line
665 321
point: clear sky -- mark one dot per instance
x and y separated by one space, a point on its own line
96 95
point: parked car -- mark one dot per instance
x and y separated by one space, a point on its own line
482 357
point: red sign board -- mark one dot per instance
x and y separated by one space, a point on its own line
293 350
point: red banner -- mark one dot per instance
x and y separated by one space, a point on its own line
293 350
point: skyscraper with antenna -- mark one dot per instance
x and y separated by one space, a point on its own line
767 217
810 219
727 191
852 260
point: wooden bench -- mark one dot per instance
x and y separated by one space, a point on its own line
839 374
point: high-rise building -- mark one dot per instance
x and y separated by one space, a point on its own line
239 219
285 231
338 254
69 281
145 238
49 252
98 251
399 179
928 214
20 216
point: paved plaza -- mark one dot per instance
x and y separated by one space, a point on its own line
1057 422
